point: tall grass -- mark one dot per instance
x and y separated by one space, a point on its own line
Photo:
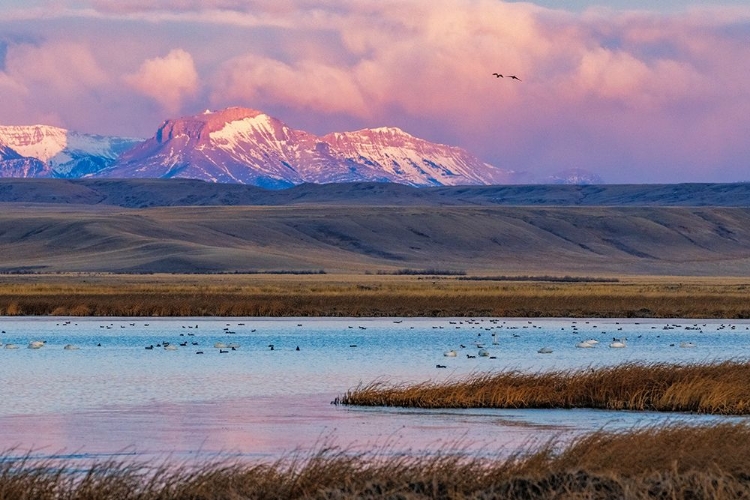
720 388
326 295
667 462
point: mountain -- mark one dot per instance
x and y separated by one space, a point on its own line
239 145
45 151
13 164
576 176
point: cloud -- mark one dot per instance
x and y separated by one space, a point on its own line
309 85
63 66
169 80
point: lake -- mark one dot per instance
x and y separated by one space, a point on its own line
113 397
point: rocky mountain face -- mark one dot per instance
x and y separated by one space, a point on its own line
240 145
45 151
246 146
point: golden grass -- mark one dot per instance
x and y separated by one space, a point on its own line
720 388
366 295
667 462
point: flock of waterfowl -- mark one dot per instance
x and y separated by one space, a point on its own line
222 347
617 342
495 328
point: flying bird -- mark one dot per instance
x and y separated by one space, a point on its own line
514 77
497 75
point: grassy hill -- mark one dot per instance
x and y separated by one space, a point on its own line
594 240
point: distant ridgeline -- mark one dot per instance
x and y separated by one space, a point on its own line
141 193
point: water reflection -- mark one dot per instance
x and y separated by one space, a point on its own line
114 396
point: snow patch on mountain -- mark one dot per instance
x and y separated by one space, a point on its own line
575 176
65 153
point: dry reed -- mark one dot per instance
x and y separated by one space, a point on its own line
362 296
667 462
720 388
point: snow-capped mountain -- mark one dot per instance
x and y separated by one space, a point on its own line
577 176
247 146
60 152
13 164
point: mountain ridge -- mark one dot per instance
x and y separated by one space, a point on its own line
247 146
50 151
141 193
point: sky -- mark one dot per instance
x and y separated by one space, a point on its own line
635 91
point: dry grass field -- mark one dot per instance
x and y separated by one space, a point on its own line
664 462
703 388
367 295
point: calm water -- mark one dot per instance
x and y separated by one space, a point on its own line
114 396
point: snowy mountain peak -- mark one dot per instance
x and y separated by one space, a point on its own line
575 176
42 142
248 146
199 127
64 153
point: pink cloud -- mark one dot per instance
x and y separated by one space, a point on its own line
169 80
65 66
309 85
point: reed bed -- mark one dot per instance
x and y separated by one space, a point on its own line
364 296
720 388
660 462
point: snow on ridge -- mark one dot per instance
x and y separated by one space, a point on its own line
35 141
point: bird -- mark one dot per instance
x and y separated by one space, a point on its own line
497 75
514 77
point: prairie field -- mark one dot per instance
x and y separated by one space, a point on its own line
99 294
681 461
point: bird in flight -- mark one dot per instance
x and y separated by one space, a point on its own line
497 75
514 77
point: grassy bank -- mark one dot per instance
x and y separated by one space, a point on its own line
719 388
368 295
670 462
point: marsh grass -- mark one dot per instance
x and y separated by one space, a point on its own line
720 388
359 295
659 462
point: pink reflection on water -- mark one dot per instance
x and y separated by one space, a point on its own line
269 427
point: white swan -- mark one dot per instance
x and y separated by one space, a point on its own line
592 341
585 345
687 345
220 345
545 350
70 347
36 344
617 344
11 346
450 354
170 347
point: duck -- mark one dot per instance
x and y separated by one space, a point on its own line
70 347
